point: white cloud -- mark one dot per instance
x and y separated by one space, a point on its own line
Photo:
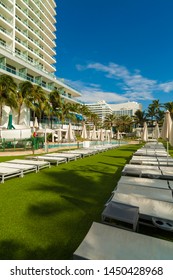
166 87
93 93
91 96
133 84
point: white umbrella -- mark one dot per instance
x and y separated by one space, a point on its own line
93 135
156 132
59 134
171 135
108 135
111 134
69 135
118 135
166 129
145 133
35 123
102 137
84 132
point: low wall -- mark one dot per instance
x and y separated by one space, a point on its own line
15 134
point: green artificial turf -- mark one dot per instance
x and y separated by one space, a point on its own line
46 215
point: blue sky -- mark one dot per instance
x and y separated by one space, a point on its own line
116 50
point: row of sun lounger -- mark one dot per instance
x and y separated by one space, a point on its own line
143 195
19 167
64 157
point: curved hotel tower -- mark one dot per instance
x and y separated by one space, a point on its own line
27 45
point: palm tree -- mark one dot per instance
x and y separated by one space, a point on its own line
169 106
124 123
38 96
109 121
94 118
160 117
7 93
65 112
153 110
24 97
140 117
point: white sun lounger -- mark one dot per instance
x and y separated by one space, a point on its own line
77 155
7 172
151 153
104 242
153 160
69 157
142 171
143 191
24 167
148 208
148 182
39 164
83 152
51 159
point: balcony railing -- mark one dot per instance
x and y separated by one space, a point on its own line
24 76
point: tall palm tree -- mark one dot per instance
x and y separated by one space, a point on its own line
124 123
94 118
153 110
140 117
38 96
109 121
24 97
7 93
65 112
169 106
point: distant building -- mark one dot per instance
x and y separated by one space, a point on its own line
128 108
100 108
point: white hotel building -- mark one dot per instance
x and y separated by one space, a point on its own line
28 47
102 109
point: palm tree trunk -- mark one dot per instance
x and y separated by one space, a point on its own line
19 114
0 114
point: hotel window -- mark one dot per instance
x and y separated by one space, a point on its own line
2 42
11 69
17 51
30 58
43 84
30 77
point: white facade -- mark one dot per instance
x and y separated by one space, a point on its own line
27 45
100 108
128 108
